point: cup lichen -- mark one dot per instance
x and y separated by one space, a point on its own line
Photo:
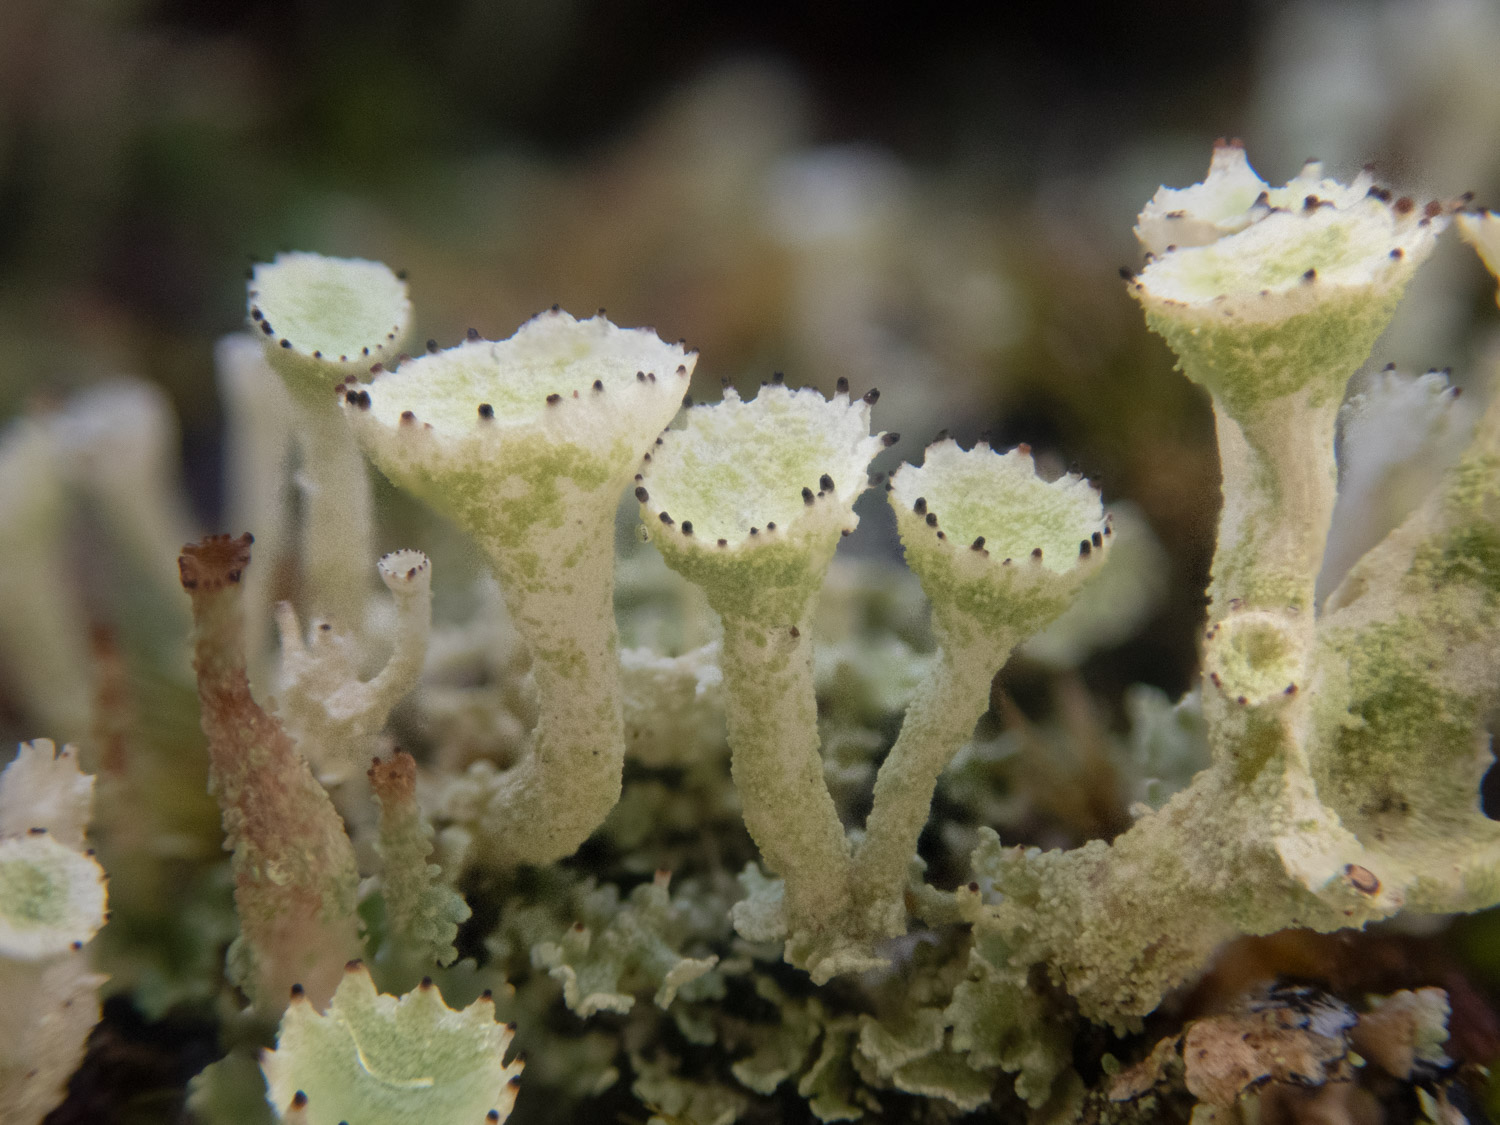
562 839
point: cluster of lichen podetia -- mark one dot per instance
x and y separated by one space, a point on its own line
1317 708
527 444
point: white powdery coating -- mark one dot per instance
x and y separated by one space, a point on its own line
44 788
491 425
1202 213
51 897
998 496
1235 239
551 354
339 310
736 465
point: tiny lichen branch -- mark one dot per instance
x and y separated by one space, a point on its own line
322 321
383 1060
335 717
528 443
749 501
1000 554
295 878
422 912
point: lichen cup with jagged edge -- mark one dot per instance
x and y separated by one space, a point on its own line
1272 297
383 1060
1000 554
749 501
324 322
999 551
325 319
1265 291
528 444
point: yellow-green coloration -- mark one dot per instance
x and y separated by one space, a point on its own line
1352 798
471 429
377 1060
338 316
740 467
50 897
1410 658
618 949
1246 363
1254 657
527 444
972 524
1289 292
956 498
789 465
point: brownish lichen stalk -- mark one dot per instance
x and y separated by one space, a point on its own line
295 878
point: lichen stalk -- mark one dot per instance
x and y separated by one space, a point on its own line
528 443
295 877
322 321
422 912
258 447
772 715
44 645
549 803
940 719
1000 553
729 500
1279 482
338 529
1279 485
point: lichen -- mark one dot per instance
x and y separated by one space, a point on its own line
812 841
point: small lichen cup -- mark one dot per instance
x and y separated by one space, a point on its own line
1272 297
323 321
1000 554
749 501
528 444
